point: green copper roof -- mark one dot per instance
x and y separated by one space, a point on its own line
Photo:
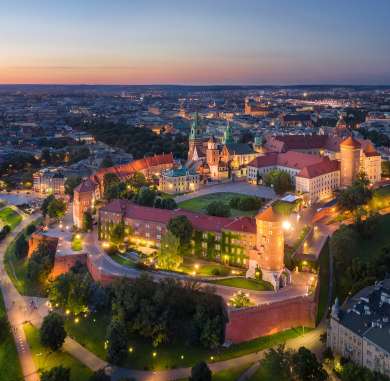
228 135
196 131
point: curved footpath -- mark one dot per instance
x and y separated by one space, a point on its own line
18 311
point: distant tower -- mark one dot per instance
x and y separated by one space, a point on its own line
84 198
212 153
269 253
349 160
195 143
228 135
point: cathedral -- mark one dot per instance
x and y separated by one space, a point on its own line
218 160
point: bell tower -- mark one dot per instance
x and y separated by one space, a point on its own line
195 140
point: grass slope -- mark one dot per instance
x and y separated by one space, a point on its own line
91 333
45 359
9 361
9 217
245 283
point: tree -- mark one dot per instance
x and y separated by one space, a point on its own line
137 181
109 181
279 180
56 209
87 221
52 331
146 197
306 367
117 233
277 361
71 183
58 373
200 372
100 375
181 228
30 229
21 247
218 208
355 196
385 168
169 257
40 263
117 343
343 246
107 162
240 300
45 204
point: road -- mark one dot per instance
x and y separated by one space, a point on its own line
108 266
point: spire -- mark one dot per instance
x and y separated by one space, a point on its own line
195 128
228 134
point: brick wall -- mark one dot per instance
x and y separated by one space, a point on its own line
36 239
250 323
63 263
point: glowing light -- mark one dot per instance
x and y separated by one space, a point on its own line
76 320
196 266
131 349
286 225
212 358
67 312
78 236
182 357
193 273
154 354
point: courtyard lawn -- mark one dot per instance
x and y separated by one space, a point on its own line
199 204
245 283
8 216
123 260
207 268
17 270
45 359
77 242
380 198
9 361
91 333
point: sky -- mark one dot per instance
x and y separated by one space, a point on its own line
247 42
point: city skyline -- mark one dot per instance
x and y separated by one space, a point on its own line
225 42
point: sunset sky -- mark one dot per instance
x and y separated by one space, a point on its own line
195 42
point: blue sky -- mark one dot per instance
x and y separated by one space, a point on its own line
195 42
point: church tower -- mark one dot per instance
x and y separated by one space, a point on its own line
195 143
349 161
228 135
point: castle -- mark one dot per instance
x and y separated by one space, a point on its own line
253 243
216 160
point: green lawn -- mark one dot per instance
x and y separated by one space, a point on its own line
45 359
17 271
207 268
245 283
122 260
77 243
9 361
91 333
199 204
324 281
231 374
8 216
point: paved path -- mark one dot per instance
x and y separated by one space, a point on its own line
17 308
108 266
237 187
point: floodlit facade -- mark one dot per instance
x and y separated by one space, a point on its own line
176 181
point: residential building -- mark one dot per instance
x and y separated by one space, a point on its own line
360 329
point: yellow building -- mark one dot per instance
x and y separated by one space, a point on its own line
176 181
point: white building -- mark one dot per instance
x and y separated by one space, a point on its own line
176 181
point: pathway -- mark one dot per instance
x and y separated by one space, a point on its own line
237 187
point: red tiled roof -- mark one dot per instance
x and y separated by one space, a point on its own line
350 142
290 159
199 221
319 169
268 215
368 147
243 224
125 170
86 186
